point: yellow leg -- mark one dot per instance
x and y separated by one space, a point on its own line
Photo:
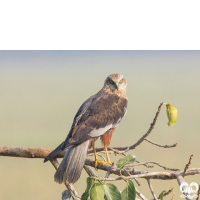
100 161
108 159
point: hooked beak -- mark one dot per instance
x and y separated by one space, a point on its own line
117 85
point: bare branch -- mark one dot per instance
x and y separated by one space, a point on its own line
150 129
134 178
160 145
187 166
140 174
97 155
140 194
150 175
148 166
181 180
151 188
26 152
107 174
113 169
118 152
153 162
42 153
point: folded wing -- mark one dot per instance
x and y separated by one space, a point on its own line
94 118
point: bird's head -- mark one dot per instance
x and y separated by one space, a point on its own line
115 82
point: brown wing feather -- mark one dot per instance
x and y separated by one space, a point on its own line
105 110
102 113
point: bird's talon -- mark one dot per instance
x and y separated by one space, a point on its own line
96 162
107 163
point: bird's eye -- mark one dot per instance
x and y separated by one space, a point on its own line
111 82
121 81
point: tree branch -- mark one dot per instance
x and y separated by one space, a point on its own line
140 174
153 162
140 194
181 180
187 166
160 145
151 188
26 152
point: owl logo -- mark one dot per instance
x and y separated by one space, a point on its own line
188 190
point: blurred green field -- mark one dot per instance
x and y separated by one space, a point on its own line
40 92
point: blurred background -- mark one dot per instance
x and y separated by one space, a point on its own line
40 92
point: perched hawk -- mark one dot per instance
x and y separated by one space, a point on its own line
98 116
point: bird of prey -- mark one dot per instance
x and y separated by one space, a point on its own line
98 116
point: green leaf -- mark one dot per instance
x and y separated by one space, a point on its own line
96 192
66 195
172 114
161 195
129 192
165 192
90 182
126 160
111 192
93 190
85 195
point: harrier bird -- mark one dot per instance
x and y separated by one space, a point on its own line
98 116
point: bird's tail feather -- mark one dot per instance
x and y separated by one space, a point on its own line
54 153
72 164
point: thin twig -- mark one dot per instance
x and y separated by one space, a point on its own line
161 145
151 188
134 178
148 166
187 166
150 129
98 155
153 162
181 180
118 152
107 174
149 175
140 194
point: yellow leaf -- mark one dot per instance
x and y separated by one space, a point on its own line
172 114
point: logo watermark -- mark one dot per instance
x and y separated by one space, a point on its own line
188 190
